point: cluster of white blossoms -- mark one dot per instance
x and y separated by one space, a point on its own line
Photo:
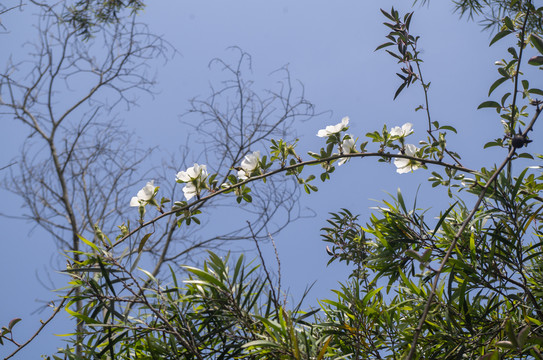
195 177
348 145
249 164
405 165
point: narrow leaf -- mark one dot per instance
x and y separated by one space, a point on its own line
143 241
489 104
537 42
499 36
324 347
505 344
383 46
387 15
402 86
80 316
523 335
90 243
496 84
13 322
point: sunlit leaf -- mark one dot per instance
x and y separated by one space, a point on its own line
537 42
489 104
499 36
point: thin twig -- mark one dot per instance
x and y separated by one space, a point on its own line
5 167
278 266
273 292
43 324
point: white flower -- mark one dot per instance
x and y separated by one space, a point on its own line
334 129
144 194
195 177
190 190
348 147
197 172
249 164
403 131
407 165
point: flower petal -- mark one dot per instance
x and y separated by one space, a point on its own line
334 129
182 176
135 201
242 175
190 191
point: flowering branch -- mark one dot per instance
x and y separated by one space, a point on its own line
289 168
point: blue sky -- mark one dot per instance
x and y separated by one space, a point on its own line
329 47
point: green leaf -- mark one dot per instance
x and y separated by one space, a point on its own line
80 316
383 46
409 284
413 254
401 201
407 19
523 335
394 55
143 241
91 244
206 277
536 60
387 15
499 36
13 322
511 333
513 52
489 104
537 42
447 127
504 98
536 91
426 255
490 144
526 156
402 86
324 347
496 84
148 274
105 274
508 23
505 344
